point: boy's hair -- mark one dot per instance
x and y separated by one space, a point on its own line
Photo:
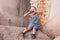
34 7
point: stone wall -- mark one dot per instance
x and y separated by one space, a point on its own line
52 24
44 7
11 11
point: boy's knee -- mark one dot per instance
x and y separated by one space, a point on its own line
35 29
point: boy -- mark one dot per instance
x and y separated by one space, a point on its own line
34 22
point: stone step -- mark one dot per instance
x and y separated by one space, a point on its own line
13 33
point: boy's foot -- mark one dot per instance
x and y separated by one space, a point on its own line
23 34
33 36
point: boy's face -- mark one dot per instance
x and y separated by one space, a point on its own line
33 10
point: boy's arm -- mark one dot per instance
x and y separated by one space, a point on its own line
27 14
39 11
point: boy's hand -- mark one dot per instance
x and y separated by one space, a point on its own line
39 12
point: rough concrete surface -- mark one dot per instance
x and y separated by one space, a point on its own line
57 38
52 27
13 33
11 12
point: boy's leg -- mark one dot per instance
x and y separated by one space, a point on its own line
34 33
35 27
26 30
30 26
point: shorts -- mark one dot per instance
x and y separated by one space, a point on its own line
31 25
